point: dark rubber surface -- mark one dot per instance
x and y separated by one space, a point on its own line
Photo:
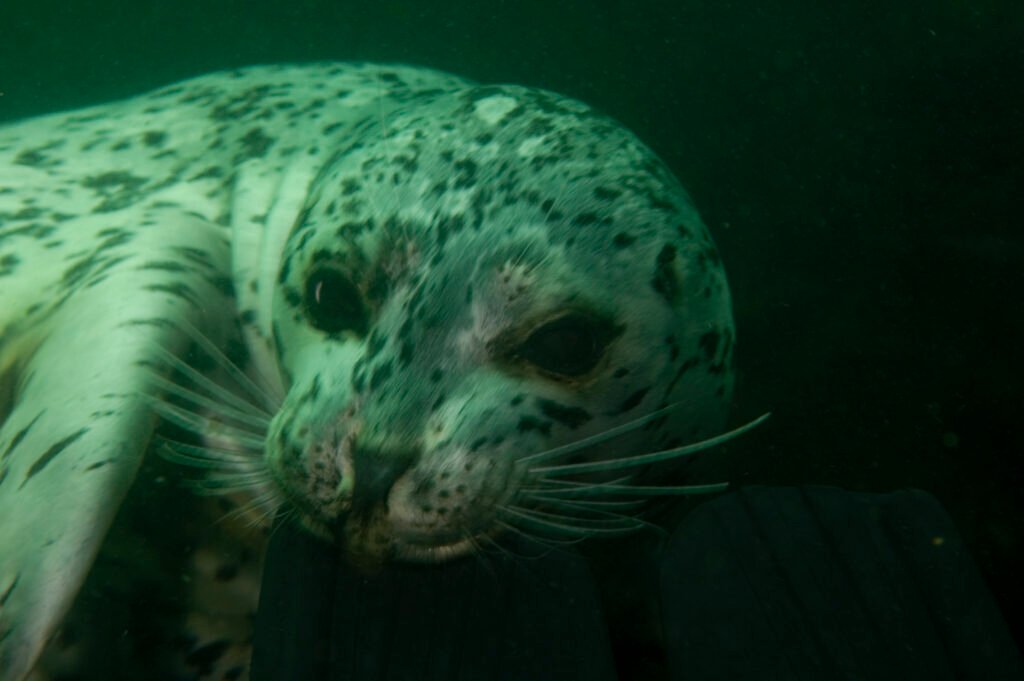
763 583
820 583
532 619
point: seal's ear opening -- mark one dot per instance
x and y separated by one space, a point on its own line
482 617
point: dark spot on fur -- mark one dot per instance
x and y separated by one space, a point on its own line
633 400
50 454
350 186
570 417
154 138
8 263
528 423
10 589
673 348
314 389
163 266
211 172
665 281
622 240
255 144
406 351
37 157
709 344
585 219
381 374
112 180
178 289
466 174
118 189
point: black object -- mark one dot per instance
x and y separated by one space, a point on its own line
763 583
529 619
819 583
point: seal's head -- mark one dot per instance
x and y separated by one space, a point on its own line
498 273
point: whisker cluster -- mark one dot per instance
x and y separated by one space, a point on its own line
228 419
553 505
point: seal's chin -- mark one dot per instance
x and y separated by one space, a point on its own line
432 553
381 535
413 541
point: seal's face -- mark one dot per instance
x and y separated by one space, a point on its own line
501 272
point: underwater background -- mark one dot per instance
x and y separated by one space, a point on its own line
860 165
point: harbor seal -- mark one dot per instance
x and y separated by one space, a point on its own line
431 312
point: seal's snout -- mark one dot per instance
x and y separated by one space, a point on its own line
376 471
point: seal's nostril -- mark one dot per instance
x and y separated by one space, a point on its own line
375 473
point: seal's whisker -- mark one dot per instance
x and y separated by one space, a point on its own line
265 506
226 484
549 498
646 459
277 518
548 543
263 394
611 490
210 387
250 417
492 546
225 473
202 425
597 439
216 413
606 519
522 554
479 553
552 522
587 508
553 484
209 457
254 474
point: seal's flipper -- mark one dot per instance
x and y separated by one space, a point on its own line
78 422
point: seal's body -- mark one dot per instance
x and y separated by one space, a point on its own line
458 300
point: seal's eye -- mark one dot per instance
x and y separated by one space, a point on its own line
333 303
568 346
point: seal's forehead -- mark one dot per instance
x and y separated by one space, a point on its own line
532 125
496 148
500 170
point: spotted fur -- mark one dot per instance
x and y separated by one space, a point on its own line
405 255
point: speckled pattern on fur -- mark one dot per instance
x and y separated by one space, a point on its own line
470 224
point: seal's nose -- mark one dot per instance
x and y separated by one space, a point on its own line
376 471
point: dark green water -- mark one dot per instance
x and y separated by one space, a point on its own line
859 163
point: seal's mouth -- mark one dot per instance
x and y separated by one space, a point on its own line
377 538
432 553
